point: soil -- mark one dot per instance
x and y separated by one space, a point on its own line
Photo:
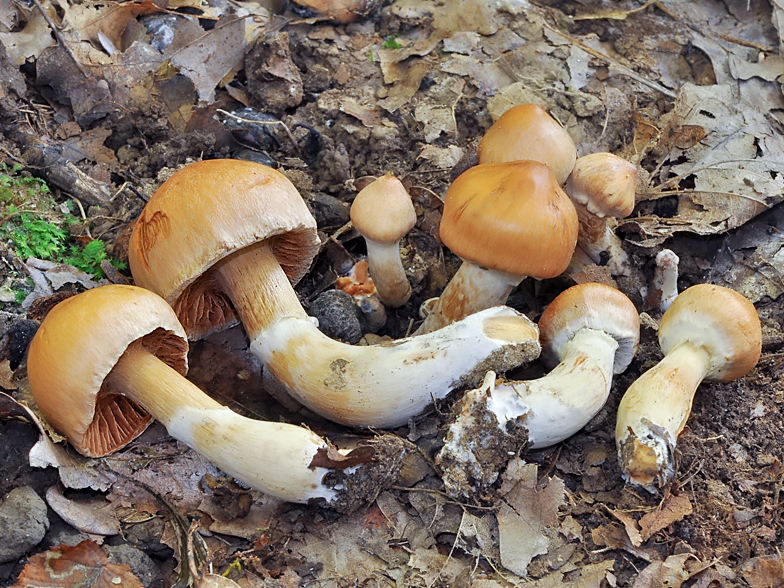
338 137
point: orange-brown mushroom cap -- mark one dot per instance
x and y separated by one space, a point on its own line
383 211
593 306
75 349
511 217
525 132
205 212
604 183
721 321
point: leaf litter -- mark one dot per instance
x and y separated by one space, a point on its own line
713 164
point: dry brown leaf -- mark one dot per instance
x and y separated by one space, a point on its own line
94 516
529 518
615 537
630 525
84 566
110 18
207 60
32 39
670 573
673 509
766 571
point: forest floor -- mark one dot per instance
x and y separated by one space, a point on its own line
690 92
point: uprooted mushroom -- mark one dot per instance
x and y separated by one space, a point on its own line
589 332
106 362
246 237
709 333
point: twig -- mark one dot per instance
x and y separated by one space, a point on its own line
622 68
60 38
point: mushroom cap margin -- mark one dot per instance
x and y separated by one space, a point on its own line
77 345
383 211
593 306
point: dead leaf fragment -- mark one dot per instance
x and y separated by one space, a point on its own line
673 509
528 519
766 571
84 566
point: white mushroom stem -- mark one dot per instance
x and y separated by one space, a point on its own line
654 411
665 277
387 271
473 288
378 385
272 457
597 235
556 406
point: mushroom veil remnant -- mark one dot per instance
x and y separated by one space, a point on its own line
708 333
383 213
246 238
106 362
506 221
588 333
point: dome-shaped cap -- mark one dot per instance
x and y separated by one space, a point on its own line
604 183
526 131
78 344
590 306
511 217
721 321
383 211
203 213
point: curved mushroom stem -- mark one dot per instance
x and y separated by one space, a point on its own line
497 420
596 236
654 411
387 272
275 458
473 288
378 385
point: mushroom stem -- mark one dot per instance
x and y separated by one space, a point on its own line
561 403
387 272
653 412
280 460
473 288
376 385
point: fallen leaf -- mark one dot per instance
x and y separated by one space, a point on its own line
670 573
85 565
766 571
630 525
94 516
528 519
673 509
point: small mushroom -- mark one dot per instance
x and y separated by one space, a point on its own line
602 186
665 279
709 333
588 333
383 213
106 362
527 132
506 221
246 237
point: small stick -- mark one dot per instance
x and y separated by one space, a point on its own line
60 38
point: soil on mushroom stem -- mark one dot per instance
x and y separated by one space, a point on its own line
729 457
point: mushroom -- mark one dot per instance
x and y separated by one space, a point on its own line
708 333
665 280
527 132
602 186
506 221
588 333
246 237
108 361
383 213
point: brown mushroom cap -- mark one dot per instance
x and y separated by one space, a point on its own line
721 321
511 217
383 211
593 306
75 349
203 213
526 131
604 183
